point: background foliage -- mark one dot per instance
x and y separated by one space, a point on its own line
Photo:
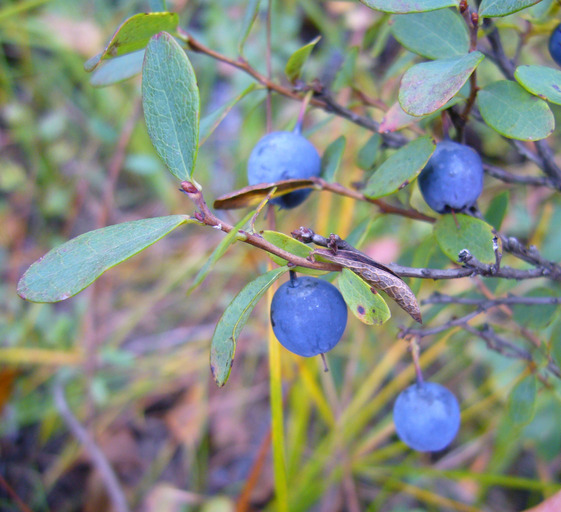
133 349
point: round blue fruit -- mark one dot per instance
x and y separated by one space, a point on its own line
555 45
426 417
308 315
284 156
452 178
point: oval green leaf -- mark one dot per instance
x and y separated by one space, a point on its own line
118 69
428 86
406 6
541 81
331 159
401 168
522 401
68 269
134 34
170 98
513 112
470 233
490 8
292 246
297 60
230 325
440 34
368 306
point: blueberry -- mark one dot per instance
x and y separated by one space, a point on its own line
426 417
308 315
283 156
452 178
555 45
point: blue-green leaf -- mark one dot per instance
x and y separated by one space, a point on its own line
71 267
170 98
406 6
490 8
230 325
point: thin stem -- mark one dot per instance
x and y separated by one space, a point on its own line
97 457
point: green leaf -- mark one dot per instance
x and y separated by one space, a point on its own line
538 316
366 157
489 8
541 81
395 119
522 401
170 98
230 325
507 108
292 246
298 59
406 6
555 342
118 69
210 122
496 212
220 250
331 159
68 269
134 34
369 307
251 12
401 168
470 233
428 86
440 34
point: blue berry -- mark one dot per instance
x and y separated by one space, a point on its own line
426 417
308 315
452 178
555 45
284 156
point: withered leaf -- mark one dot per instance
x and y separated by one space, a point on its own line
252 195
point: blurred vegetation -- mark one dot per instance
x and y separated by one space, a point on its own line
133 348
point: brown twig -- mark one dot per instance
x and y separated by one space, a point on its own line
98 459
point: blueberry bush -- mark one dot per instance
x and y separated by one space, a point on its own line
270 152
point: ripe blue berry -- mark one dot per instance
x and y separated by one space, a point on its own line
284 156
426 417
452 178
555 45
308 315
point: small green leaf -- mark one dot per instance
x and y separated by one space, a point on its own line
538 316
522 401
541 81
428 86
555 342
470 233
220 250
71 267
331 159
298 59
133 35
401 168
507 108
251 12
170 98
489 8
440 34
368 306
118 69
496 212
209 123
406 6
292 246
230 325
366 157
